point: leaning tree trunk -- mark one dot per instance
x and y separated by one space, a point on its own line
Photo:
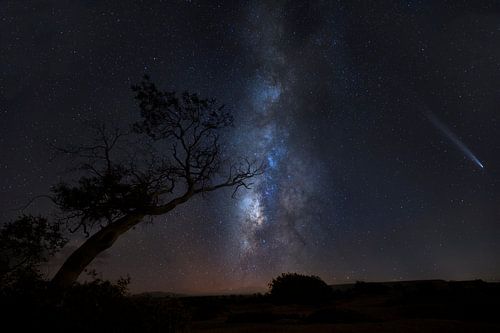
104 239
93 246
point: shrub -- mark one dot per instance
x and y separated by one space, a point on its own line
298 288
25 244
104 306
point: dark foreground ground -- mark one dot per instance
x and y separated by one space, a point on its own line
99 306
419 306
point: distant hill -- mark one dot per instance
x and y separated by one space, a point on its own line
159 294
407 285
239 291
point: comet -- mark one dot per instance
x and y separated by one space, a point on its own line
454 139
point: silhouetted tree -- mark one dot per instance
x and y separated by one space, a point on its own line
298 288
25 244
170 155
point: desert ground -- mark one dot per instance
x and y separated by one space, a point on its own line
417 306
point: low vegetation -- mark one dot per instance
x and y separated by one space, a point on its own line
298 288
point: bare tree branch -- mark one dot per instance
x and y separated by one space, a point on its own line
173 153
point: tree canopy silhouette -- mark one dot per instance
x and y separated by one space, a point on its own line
298 288
25 243
170 155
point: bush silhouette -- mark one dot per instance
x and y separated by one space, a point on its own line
25 244
94 306
298 288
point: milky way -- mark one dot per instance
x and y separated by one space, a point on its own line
268 230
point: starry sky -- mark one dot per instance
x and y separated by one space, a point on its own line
378 121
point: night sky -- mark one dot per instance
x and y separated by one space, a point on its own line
378 120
